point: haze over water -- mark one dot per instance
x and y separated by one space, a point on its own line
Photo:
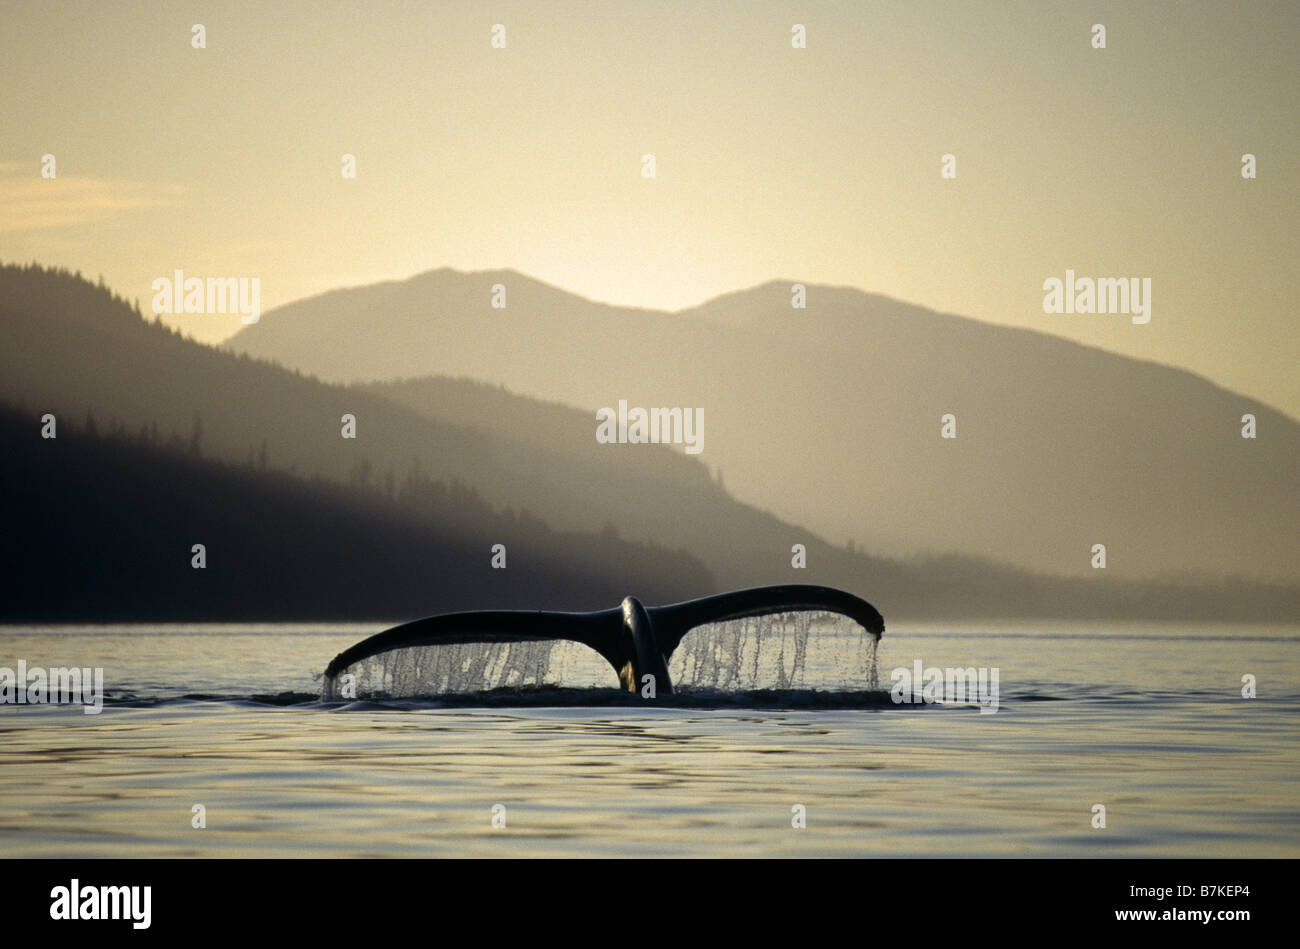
1146 719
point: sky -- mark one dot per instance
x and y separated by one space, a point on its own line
819 164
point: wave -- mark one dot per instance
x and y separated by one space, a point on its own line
546 696
534 697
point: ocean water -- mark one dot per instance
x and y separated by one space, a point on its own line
1146 719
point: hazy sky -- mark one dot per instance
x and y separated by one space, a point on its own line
819 164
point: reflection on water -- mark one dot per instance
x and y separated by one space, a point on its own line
1146 720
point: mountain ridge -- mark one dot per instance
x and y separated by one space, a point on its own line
69 349
860 382
773 284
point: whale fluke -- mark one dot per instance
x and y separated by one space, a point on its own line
636 640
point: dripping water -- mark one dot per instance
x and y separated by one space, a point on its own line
796 650
783 651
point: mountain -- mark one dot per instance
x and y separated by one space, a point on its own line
69 348
101 527
830 416
441 469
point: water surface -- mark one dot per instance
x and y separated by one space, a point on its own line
1147 719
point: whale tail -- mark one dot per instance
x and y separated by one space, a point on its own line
636 640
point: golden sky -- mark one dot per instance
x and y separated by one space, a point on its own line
819 164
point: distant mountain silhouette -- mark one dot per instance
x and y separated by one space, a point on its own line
829 416
530 475
100 526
